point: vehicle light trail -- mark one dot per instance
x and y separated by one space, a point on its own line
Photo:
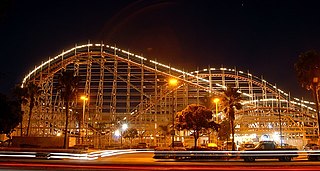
40 166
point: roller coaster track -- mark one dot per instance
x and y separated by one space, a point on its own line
135 90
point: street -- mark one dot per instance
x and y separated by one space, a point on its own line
144 161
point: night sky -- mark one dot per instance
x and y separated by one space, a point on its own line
264 37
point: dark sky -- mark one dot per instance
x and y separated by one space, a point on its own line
262 36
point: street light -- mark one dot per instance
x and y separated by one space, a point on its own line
123 128
84 98
173 82
315 81
117 133
280 122
216 101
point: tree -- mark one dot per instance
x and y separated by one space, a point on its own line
165 131
131 134
307 70
19 95
197 118
67 85
29 95
224 131
10 115
231 101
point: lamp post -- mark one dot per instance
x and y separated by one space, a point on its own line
280 122
84 98
315 81
216 101
173 82
123 128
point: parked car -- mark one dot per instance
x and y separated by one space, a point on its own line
311 146
142 145
286 145
6 143
270 149
212 146
246 146
178 146
228 146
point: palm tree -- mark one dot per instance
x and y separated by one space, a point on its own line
225 131
29 94
308 73
231 101
67 85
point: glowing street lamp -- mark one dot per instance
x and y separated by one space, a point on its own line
173 82
216 101
117 133
84 98
123 128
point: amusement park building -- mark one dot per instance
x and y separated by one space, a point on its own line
122 87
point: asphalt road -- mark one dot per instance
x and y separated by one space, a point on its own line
144 161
